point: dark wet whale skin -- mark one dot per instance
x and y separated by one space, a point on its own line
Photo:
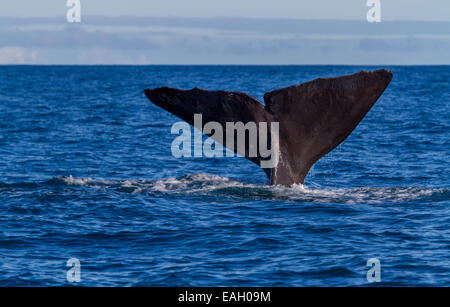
314 117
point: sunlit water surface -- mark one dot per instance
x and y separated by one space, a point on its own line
86 171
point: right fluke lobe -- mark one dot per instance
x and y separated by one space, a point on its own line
317 116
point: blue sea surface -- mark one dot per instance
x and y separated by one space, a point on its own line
86 172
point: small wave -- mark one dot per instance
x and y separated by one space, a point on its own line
72 181
213 185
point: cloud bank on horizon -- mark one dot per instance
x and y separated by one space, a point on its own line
221 40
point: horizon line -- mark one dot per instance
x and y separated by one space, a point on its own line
256 65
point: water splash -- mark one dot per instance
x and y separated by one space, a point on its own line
213 185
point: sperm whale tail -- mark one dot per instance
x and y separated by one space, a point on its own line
313 117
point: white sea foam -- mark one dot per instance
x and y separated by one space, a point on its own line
69 180
207 184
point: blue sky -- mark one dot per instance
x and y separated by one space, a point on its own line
225 32
430 10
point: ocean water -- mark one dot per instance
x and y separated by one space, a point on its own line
86 172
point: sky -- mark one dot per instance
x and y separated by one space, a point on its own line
141 32
429 10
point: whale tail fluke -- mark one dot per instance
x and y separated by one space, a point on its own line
313 117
